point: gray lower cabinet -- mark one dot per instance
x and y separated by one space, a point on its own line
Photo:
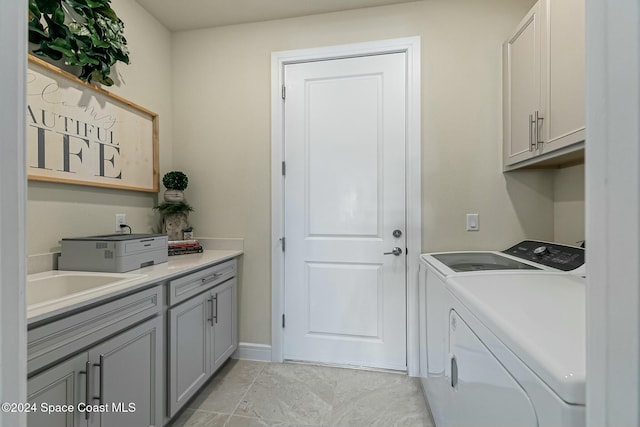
188 349
64 384
202 335
128 370
225 340
123 375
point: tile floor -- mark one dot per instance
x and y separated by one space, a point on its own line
256 394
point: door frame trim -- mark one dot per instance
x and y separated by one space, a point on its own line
410 46
13 246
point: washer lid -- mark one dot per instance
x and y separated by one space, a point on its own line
480 261
477 262
540 317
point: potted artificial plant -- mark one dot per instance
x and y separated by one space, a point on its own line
175 210
175 183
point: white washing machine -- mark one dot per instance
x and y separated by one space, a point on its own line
502 336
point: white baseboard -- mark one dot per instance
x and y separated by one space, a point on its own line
251 351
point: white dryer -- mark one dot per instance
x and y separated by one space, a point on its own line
502 336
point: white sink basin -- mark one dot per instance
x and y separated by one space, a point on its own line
55 286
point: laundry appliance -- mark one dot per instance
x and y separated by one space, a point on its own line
502 338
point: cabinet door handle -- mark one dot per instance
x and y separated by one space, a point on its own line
210 301
532 146
87 387
454 371
216 315
100 365
538 125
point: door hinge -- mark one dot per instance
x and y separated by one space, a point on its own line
284 92
282 240
282 320
284 168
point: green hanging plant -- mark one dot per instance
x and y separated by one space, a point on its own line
85 33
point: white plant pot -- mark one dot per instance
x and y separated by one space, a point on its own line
173 196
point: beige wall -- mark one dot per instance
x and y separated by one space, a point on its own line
218 113
569 208
59 210
221 94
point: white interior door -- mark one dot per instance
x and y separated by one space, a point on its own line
345 136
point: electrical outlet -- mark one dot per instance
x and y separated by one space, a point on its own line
120 219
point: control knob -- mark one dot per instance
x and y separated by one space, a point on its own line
541 250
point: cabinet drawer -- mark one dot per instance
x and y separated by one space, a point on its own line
56 340
185 287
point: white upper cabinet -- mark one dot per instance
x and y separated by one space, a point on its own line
565 67
522 94
543 86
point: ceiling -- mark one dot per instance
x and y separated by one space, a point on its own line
179 15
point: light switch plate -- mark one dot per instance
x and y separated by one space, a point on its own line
472 222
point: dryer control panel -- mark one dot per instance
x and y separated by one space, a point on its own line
565 258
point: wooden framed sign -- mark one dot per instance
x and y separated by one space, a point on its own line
82 134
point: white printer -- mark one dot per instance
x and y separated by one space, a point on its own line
114 253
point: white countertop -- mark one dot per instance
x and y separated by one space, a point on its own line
177 265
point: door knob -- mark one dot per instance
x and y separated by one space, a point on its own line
395 251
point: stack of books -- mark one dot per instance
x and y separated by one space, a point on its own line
181 247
